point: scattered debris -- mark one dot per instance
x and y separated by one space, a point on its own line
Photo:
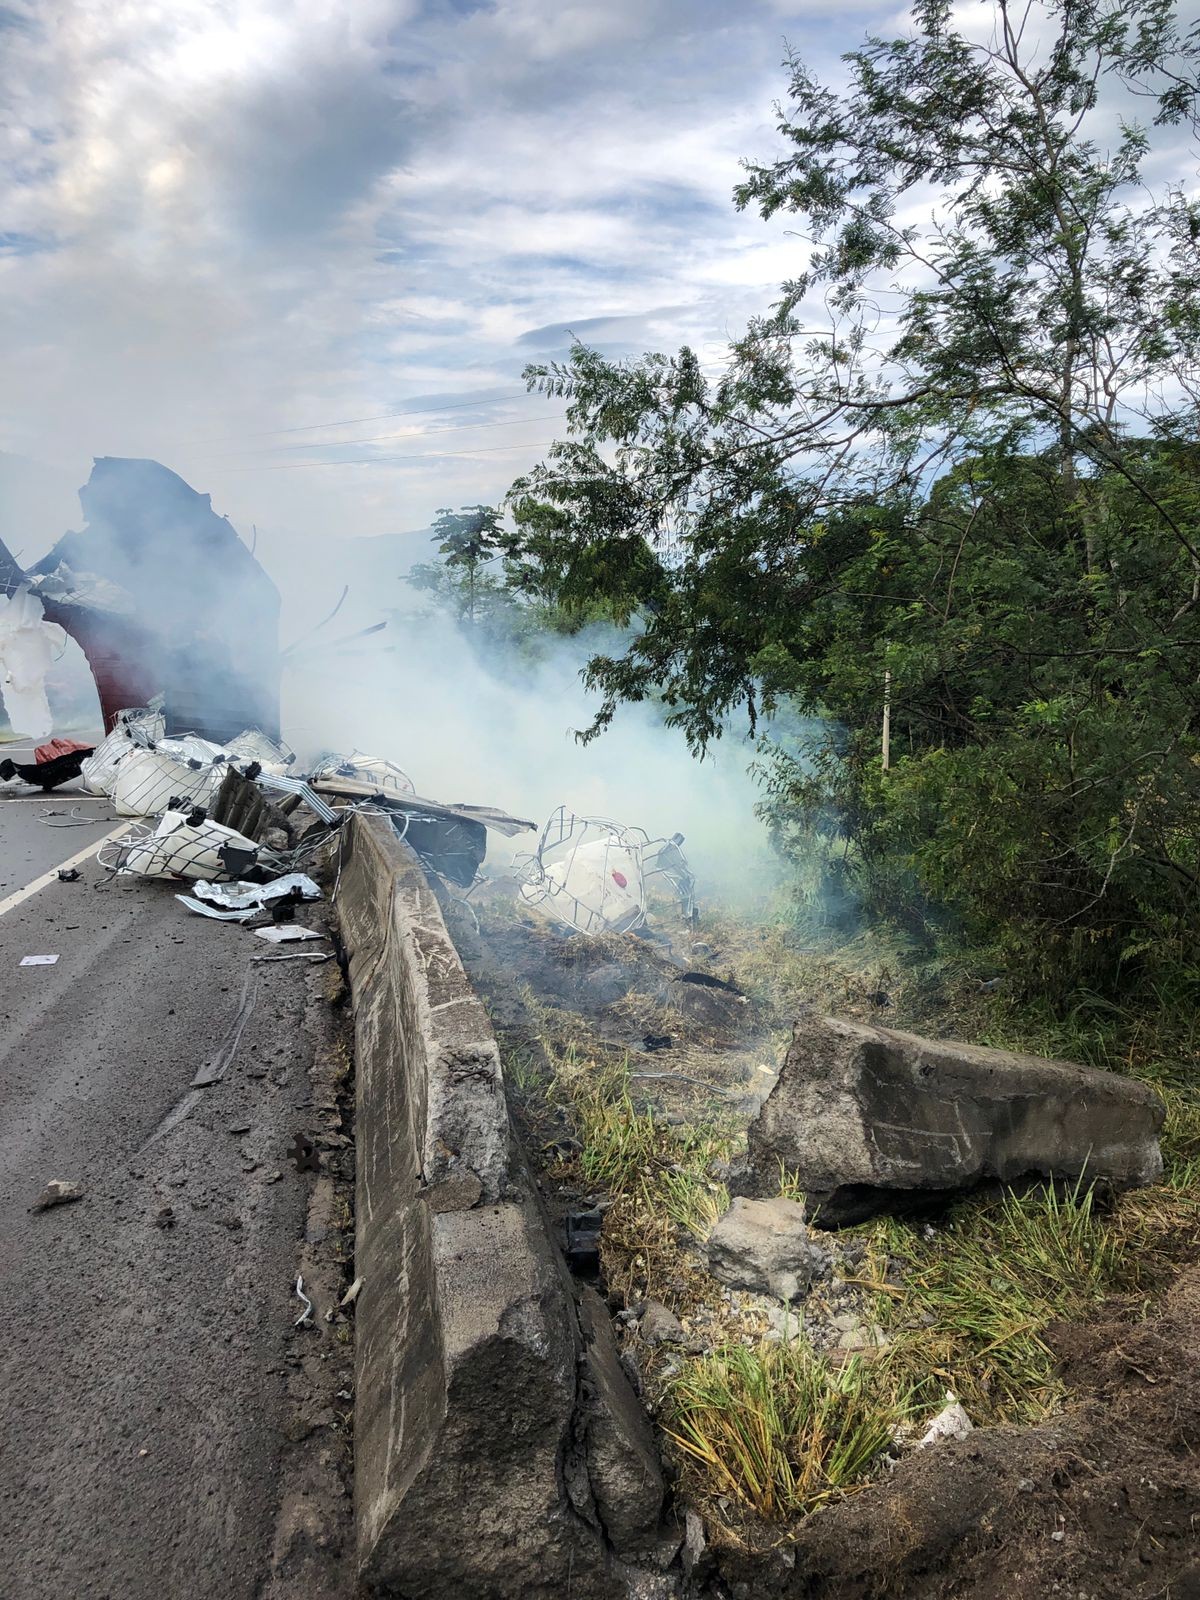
373 771
351 1294
581 1233
590 874
38 961
183 844
286 933
306 1314
304 1154
952 1422
237 902
68 875
58 1192
47 772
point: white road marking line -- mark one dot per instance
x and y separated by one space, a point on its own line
48 799
19 896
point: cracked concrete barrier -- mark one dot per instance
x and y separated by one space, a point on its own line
866 1118
498 1450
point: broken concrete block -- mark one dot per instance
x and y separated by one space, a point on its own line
764 1245
865 1118
622 1461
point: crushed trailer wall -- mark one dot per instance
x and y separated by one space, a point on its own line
499 1452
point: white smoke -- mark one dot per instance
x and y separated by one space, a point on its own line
486 728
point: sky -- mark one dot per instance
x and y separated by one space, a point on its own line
256 240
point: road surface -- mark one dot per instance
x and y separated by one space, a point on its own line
148 1337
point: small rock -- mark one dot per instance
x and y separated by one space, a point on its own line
239 1127
165 1217
57 1193
661 1326
764 1245
694 1541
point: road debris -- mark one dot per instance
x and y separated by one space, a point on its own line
286 933
351 1294
184 843
47 772
306 1314
591 874
237 902
951 1422
68 875
58 1192
38 961
304 1154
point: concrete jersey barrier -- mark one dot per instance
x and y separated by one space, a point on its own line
498 1450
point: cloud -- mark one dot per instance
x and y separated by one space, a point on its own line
224 221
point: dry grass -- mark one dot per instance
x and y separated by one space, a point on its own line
777 1428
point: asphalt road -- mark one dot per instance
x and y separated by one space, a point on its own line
145 1352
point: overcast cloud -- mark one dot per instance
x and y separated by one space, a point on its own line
222 219
225 218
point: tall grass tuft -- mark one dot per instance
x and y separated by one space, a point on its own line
977 1297
777 1428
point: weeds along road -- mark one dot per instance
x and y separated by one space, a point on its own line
143 1399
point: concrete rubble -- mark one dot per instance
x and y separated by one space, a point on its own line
864 1119
764 1245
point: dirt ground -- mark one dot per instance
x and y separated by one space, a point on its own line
1102 1502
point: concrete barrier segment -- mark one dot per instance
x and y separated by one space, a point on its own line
489 1429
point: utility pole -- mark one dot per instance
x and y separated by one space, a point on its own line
887 717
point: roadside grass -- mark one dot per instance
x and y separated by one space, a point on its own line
778 1428
967 1305
656 1174
773 1430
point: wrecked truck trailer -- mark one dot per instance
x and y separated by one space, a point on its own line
164 599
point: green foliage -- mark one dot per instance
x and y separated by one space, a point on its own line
981 502
979 1295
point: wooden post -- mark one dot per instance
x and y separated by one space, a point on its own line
887 717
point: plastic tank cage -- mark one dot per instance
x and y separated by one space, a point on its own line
591 874
181 844
386 776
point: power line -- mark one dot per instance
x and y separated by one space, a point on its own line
412 433
423 455
385 416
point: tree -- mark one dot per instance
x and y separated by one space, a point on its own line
468 538
961 451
